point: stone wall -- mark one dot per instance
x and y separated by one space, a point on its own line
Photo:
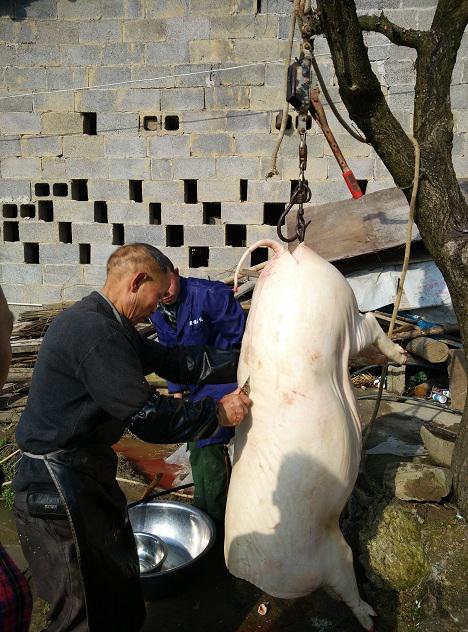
177 161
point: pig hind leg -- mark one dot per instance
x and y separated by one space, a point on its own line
339 579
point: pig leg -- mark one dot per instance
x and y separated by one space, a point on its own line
373 334
339 578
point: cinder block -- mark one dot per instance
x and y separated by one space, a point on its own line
166 9
166 53
62 274
8 55
211 144
186 168
401 72
21 167
268 26
211 7
227 97
148 74
25 79
20 123
179 256
65 253
87 168
182 99
255 233
204 121
267 50
161 169
256 144
132 168
37 55
363 168
35 232
402 97
169 146
83 146
231 27
62 123
21 273
192 28
117 123
183 214
54 168
100 75
161 191
61 102
329 191
460 120
99 31
11 252
127 213
15 190
77 292
238 166
108 190
239 121
219 190
138 99
96 101
82 55
226 258
91 233
125 147
147 30
100 253
27 294
124 54
349 146
11 147
264 98
250 76
212 51
73 211
60 78
268 191
47 31
151 234
205 235
458 97
242 212
274 75
317 169
15 104
187 80
94 275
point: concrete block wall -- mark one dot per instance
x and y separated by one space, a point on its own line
176 150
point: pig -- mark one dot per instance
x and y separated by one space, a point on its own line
297 454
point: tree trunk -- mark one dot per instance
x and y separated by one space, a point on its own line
442 213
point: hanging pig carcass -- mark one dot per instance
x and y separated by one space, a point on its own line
296 456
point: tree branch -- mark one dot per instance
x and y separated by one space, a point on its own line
396 34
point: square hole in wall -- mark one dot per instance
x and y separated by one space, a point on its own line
60 189
27 210
79 190
100 212
46 210
150 123
118 235
363 185
135 190
308 122
279 118
171 123
42 189
10 231
272 211
31 253
89 123
243 190
174 235
190 191
65 232
85 253
236 235
154 213
258 256
10 210
199 257
211 212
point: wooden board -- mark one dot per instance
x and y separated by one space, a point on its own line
375 222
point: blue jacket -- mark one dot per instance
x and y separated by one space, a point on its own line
208 314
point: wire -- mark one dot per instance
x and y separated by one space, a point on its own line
415 401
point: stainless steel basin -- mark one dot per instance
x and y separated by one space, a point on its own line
151 552
188 534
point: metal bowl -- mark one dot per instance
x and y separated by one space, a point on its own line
151 552
188 534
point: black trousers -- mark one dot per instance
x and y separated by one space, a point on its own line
49 548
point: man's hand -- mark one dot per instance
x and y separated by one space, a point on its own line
233 407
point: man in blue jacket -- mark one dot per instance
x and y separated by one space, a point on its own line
198 311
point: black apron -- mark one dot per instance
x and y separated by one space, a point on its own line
97 512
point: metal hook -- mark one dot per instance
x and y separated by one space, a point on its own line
301 194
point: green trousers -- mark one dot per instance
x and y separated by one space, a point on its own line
211 470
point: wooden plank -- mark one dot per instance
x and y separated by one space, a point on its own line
457 372
348 228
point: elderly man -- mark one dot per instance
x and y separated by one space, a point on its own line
15 594
199 311
88 387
